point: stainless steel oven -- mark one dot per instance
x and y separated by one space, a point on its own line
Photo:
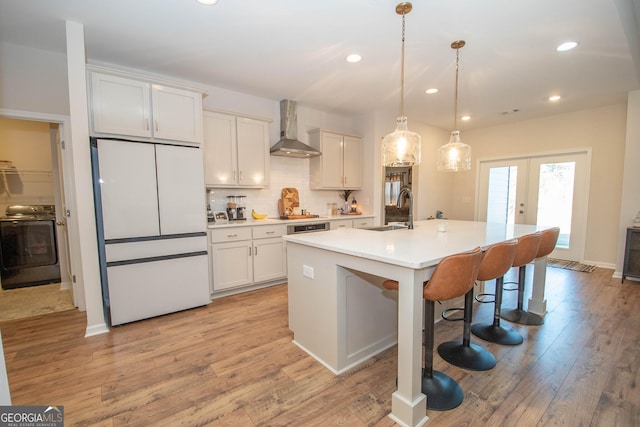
28 247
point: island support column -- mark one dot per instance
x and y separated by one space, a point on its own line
537 302
408 404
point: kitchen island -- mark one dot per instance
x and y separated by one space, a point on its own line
340 314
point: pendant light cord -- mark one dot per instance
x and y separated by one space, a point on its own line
402 70
455 107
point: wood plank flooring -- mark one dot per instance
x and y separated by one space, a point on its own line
232 363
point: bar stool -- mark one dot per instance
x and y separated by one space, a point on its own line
527 251
494 332
452 277
496 261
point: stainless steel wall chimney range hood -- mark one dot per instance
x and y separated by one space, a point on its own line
289 146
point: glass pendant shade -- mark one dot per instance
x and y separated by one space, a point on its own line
401 147
455 155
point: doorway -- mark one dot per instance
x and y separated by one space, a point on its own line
543 190
44 187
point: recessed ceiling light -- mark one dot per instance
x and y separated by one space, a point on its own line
353 58
566 46
431 91
207 2
465 118
554 98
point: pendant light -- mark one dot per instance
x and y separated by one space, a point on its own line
402 147
455 156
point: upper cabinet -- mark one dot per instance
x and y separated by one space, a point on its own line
136 108
340 165
236 151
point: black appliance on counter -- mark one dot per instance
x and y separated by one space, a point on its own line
28 246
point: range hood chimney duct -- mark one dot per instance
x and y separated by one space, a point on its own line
289 146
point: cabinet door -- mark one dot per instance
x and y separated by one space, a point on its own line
269 261
253 152
128 188
220 156
120 106
332 174
352 162
363 223
341 223
181 189
231 264
177 114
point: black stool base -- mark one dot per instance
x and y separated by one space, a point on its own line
471 357
443 393
522 317
496 334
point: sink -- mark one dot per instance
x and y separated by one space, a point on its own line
387 227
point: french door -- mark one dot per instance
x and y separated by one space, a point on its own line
545 190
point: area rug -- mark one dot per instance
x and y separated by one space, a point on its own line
570 265
34 301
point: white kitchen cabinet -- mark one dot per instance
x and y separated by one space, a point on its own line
242 256
236 151
231 259
341 223
363 223
136 108
269 253
340 165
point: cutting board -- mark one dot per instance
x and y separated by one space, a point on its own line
290 200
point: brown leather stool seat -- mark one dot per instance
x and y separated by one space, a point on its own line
548 240
452 277
499 259
496 261
527 251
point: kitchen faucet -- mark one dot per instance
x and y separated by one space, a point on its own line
407 191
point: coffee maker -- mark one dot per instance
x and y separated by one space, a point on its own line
236 209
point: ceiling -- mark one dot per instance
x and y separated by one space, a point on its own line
294 49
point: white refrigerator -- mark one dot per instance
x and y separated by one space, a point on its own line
151 223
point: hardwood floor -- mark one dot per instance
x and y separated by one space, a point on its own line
233 363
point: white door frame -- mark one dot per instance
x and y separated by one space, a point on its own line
580 207
66 160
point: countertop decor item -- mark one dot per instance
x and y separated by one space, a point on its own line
455 155
636 220
401 147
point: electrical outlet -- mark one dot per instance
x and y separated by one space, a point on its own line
307 271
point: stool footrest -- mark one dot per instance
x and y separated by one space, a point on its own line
480 299
510 288
446 312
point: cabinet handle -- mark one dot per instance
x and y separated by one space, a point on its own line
270 232
341 226
255 250
156 125
232 235
235 175
147 124
241 176
249 250
345 180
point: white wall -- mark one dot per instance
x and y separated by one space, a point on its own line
601 129
33 80
631 176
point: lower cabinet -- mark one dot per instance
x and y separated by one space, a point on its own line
351 223
243 256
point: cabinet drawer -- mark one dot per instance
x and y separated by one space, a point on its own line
230 234
363 223
342 223
265 231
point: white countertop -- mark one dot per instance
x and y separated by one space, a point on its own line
273 221
421 247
